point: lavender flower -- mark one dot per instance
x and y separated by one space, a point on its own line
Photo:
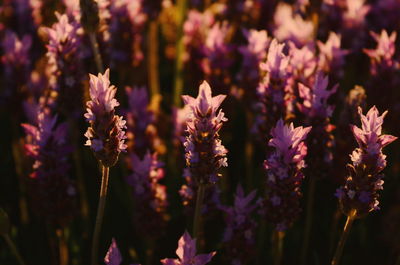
53 192
302 61
239 235
274 91
126 16
331 57
284 174
139 120
253 53
382 56
315 100
360 192
64 62
106 135
216 49
16 53
186 253
290 26
113 256
150 195
205 153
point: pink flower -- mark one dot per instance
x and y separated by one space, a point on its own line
315 99
382 56
360 191
186 253
277 62
284 174
290 26
331 57
204 152
113 256
288 142
106 136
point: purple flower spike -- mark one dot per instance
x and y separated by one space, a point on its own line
284 174
365 179
186 253
277 62
106 135
302 61
113 256
315 100
239 236
16 52
52 192
332 57
382 56
205 153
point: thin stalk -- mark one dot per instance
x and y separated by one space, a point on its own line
152 63
100 214
14 249
345 234
197 212
96 52
277 238
309 219
180 49
63 247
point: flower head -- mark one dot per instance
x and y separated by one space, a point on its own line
277 62
315 99
331 57
382 56
290 26
284 174
16 51
204 152
113 256
53 192
239 235
186 253
106 136
360 191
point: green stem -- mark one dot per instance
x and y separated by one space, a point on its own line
180 49
345 234
96 52
197 212
309 219
14 249
100 214
278 237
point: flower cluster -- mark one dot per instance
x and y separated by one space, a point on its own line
16 53
186 253
141 131
331 56
360 192
273 91
253 54
382 56
239 235
126 16
150 196
52 191
205 153
106 135
284 174
63 60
